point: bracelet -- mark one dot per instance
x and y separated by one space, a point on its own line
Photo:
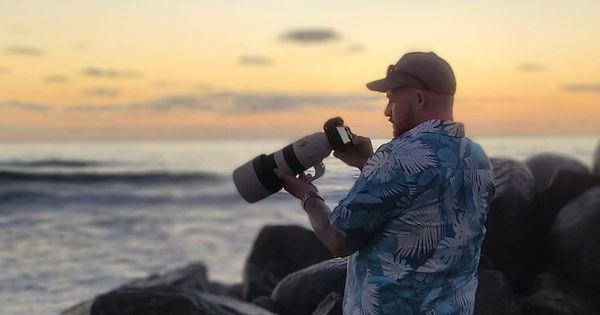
309 195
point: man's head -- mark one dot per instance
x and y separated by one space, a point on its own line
419 87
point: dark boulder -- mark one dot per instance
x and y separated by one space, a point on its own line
513 237
169 300
557 295
191 277
545 166
265 302
331 305
565 186
82 308
232 290
277 252
494 294
301 292
575 238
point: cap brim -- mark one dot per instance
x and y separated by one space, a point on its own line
389 83
381 85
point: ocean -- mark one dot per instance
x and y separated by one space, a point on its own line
77 219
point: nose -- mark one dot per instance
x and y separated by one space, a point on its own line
388 109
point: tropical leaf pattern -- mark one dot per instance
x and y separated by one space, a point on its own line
412 155
417 209
421 231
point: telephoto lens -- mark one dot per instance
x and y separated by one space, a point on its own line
255 179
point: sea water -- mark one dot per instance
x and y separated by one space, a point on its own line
77 219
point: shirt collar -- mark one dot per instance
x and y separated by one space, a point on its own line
445 127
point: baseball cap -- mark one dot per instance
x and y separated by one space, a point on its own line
423 70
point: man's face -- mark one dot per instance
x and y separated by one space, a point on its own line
400 109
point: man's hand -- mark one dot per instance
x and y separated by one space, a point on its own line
358 154
295 186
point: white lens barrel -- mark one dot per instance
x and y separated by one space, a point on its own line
255 180
248 184
312 149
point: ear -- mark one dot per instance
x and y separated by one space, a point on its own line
420 99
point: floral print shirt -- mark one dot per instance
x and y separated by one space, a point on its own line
417 214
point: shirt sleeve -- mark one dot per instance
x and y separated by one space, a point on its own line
383 191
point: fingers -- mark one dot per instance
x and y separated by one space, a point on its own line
305 177
360 138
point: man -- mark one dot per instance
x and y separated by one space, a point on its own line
414 219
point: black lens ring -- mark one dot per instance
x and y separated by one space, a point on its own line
263 166
289 155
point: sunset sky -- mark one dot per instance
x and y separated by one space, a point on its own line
157 69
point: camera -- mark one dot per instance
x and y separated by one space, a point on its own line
255 179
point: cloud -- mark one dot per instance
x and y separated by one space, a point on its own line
55 78
160 104
203 87
226 103
355 48
531 67
4 70
163 83
94 108
96 72
239 103
176 101
24 51
247 103
27 106
255 60
103 92
310 36
17 29
81 45
582 87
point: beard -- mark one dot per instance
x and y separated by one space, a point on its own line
403 125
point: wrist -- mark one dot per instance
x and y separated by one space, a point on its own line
309 198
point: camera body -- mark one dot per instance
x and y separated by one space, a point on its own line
255 179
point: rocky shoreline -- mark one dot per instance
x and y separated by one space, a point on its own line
541 255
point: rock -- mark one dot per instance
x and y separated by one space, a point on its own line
513 236
331 305
169 300
265 302
596 161
232 290
192 277
575 238
565 186
277 252
557 295
545 166
301 292
494 294
558 180
83 308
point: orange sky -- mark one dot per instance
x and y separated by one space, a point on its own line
72 70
